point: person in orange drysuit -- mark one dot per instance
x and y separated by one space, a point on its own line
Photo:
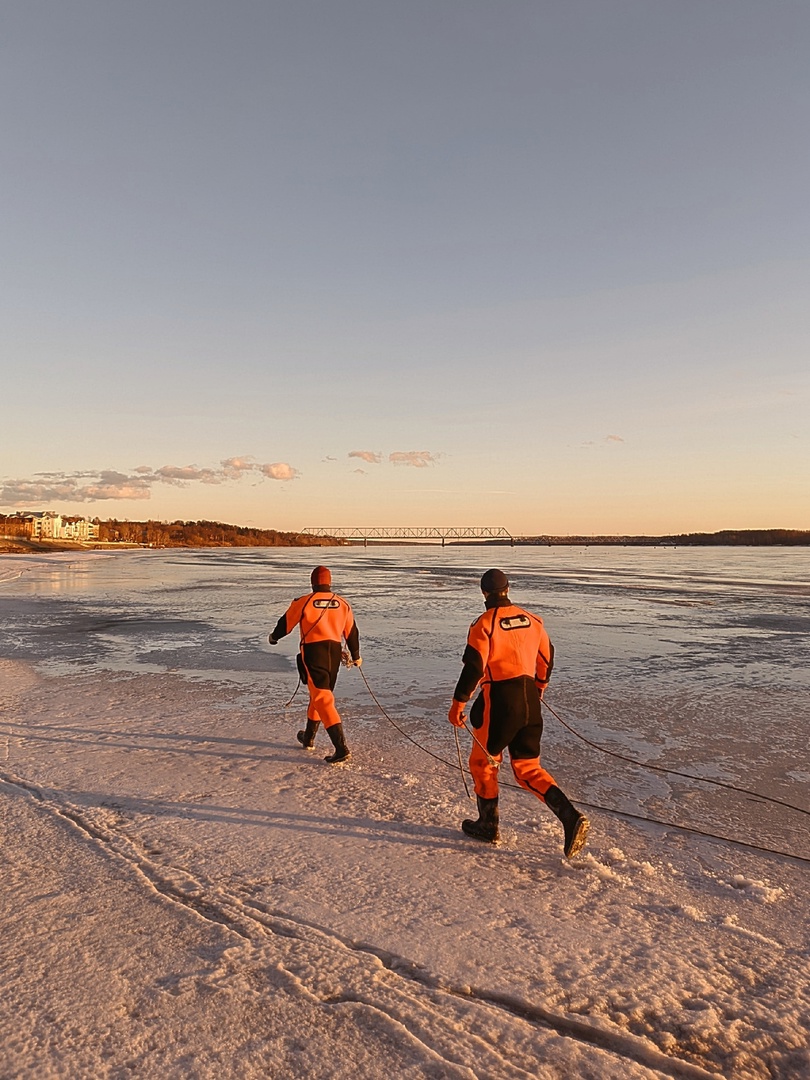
510 656
325 621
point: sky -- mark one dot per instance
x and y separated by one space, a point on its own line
535 265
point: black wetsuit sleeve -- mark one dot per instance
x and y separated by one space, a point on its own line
542 683
281 628
353 641
471 674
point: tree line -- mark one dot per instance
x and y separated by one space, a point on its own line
201 534
724 538
220 534
748 538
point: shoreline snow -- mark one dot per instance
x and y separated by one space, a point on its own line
188 893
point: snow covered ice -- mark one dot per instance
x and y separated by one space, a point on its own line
187 893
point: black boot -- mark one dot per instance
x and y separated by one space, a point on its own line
575 825
486 828
335 733
307 736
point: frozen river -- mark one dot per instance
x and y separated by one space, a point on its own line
186 893
691 659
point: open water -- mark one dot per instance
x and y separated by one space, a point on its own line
689 659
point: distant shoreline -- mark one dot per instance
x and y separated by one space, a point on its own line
724 538
18 545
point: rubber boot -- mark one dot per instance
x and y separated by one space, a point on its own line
575 824
335 733
486 827
307 736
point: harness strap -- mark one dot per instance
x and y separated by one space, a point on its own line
303 612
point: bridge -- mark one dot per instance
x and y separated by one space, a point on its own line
427 533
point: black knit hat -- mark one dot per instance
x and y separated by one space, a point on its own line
494 581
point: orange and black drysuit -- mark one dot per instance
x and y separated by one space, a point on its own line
325 621
510 655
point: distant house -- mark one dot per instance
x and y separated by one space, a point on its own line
16 525
79 528
47 525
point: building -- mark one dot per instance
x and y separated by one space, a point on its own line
47 525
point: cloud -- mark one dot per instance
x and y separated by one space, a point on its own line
605 439
417 459
279 470
108 484
115 485
184 474
366 455
234 467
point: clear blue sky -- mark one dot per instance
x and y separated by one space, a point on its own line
543 265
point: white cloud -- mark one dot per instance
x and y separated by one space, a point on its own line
114 485
279 470
183 474
68 488
417 459
234 467
106 484
367 455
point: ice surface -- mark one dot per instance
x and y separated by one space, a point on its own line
187 893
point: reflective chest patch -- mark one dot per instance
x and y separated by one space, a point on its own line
515 622
326 603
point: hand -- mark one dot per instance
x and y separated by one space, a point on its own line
358 662
456 715
272 640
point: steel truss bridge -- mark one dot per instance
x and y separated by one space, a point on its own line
425 534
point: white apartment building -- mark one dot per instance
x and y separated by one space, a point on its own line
51 526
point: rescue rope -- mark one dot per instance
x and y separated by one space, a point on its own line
460 766
424 749
695 832
292 699
674 772
608 809
495 764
